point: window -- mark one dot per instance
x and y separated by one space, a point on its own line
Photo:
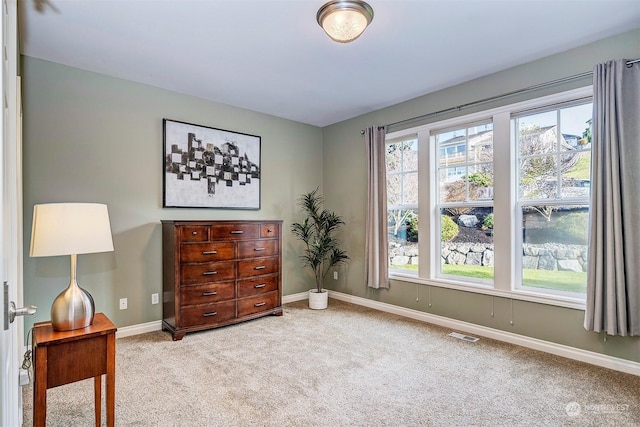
402 204
465 201
554 170
503 197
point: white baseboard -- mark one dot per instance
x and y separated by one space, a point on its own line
590 357
141 328
295 297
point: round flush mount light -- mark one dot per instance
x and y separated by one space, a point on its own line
344 21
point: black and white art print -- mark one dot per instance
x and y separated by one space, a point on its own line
206 167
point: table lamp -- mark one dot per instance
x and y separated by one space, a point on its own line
71 229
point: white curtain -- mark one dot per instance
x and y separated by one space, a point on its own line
376 240
613 278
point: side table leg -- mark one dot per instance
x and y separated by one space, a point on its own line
40 388
111 379
97 390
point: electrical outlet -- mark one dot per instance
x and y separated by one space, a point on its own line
335 275
123 303
154 298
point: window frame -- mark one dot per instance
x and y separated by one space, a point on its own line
504 202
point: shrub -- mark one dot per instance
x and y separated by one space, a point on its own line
573 228
488 222
412 230
481 179
449 228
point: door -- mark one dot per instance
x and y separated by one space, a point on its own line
10 220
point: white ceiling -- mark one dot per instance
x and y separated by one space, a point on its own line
272 57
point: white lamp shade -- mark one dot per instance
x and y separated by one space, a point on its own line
70 228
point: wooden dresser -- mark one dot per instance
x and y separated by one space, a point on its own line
217 273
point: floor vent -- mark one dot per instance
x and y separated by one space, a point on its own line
463 337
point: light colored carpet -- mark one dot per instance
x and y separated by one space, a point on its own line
346 366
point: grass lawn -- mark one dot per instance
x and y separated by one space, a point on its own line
558 280
582 169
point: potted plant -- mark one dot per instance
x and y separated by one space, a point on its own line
321 251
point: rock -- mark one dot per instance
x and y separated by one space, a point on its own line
530 262
487 258
547 262
569 265
456 258
567 254
400 260
478 247
468 220
473 258
445 251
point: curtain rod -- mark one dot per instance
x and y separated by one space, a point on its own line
504 95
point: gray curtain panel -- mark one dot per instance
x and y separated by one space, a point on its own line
376 239
613 278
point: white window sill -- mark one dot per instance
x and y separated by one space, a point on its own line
517 294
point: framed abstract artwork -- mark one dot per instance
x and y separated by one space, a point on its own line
205 167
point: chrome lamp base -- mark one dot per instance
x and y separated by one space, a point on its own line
74 307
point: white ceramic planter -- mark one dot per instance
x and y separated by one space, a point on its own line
318 300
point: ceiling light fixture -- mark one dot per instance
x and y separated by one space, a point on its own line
344 21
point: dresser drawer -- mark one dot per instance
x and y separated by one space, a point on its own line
257 248
207 252
194 233
234 231
208 313
257 303
257 267
206 294
256 286
269 230
207 273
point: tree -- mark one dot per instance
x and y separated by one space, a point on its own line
456 191
402 182
539 174
399 217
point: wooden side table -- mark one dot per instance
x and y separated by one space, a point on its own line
69 356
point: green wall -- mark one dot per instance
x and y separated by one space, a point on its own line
344 183
92 138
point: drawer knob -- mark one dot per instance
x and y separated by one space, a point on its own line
209 252
259 249
208 294
260 267
211 313
194 233
259 304
209 273
269 230
237 231
261 285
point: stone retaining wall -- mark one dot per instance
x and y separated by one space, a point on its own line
548 256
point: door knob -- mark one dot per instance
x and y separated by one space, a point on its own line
22 311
